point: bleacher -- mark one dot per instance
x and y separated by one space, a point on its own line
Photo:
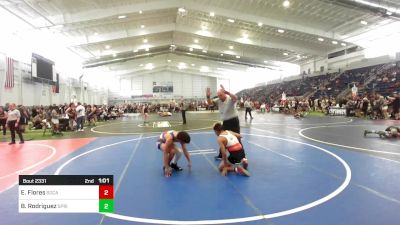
386 82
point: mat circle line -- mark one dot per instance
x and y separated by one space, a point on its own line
53 152
104 132
339 145
305 124
337 191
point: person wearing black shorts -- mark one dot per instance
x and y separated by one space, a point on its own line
227 108
171 153
13 123
236 161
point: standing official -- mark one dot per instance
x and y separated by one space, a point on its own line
184 108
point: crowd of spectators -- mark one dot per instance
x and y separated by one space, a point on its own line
73 117
377 99
62 117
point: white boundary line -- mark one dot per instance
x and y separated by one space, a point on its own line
234 220
283 155
339 145
104 132
202 150
305 124
54 150
201 153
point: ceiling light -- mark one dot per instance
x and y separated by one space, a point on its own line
97 57
95 33
363 22
181 10
281 31
334 42
191 49
212 14
245 36
204 51
182 65
298 56
173 46
145 40
204 69
389 13
140 12
222 54
136 50
238 57
320 39
230 47
260 24
115 55
169 60
204 27
142 26
147 49
231 20
141 65
107 47
286 3
122 17
343 44
196 41
285 53
192 64
149 66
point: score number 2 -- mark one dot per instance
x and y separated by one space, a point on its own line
106 192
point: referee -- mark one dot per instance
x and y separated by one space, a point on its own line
226 105
13 123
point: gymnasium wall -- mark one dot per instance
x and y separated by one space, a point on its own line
28 92
185 84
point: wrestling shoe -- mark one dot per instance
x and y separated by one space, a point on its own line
241 171
176 167
365 133
218 157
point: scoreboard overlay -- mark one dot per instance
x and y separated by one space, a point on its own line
66 194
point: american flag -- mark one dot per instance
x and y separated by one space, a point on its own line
9 73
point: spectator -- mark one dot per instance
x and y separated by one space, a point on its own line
3 120
13 121
80 119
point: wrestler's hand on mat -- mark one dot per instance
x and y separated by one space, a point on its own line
167 171
224 172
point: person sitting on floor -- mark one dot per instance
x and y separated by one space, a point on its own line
164 114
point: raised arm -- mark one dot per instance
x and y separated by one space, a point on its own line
233 96
208 95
